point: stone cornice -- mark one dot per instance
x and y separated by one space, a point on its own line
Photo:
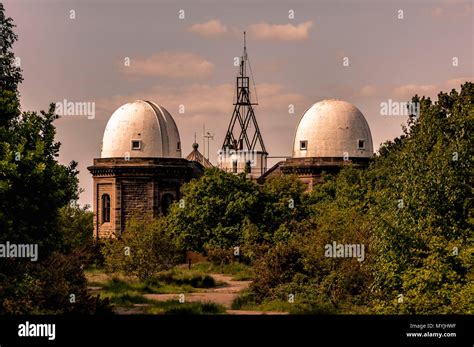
157 167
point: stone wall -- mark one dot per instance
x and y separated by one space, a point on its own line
136 199
136 188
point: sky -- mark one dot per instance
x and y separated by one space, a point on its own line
181 53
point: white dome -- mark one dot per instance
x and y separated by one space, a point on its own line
332 128
141 129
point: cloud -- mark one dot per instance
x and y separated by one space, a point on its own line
452 9
403 92
456 82
275 98
260 31
212 28
408 90
206 101
367 91
180 65
283 32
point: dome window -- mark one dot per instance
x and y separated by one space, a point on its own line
178 146
136 145
304 145
361 144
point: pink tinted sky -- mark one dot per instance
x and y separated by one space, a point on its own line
189 61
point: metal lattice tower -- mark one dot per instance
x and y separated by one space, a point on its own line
241 135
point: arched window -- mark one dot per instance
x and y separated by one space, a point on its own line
105 208
248 166
166 202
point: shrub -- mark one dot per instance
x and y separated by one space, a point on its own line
46 288
145 249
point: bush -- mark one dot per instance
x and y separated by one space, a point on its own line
220 256
216 206
194 308
145 249
195 280
47 288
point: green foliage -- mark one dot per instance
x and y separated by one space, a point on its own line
46 288
128 299
412 209
10 73
34 185
193 279
223 210
174 307
33 189
283 205
298 265
127 293
144 249
421 210
239 271
302 305
76 225
215 207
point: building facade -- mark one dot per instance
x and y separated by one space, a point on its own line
140 171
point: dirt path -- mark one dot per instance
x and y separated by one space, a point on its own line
223 295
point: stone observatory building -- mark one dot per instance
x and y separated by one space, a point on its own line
140 169
330 134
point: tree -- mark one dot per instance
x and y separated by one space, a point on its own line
76 226
54 286
422 213
10 72
283 200
213 210
298 265
33 189
145 248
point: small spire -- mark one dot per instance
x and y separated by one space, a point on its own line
195 144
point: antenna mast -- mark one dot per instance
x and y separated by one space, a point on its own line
238 136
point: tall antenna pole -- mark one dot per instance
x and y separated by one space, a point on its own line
238 136
208 136
245 46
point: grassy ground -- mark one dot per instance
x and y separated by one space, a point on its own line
239 271
246 302
126 293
